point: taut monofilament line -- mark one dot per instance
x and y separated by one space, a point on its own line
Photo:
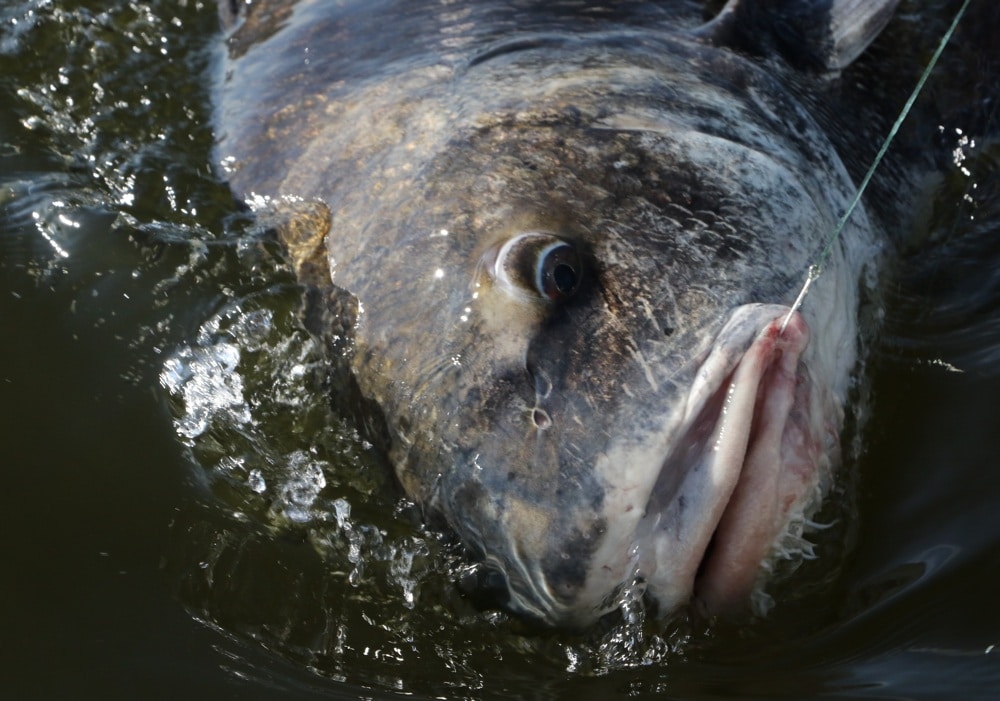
816 269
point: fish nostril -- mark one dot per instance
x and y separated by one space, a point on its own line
541 418
543 386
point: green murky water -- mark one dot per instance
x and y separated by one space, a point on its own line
186 515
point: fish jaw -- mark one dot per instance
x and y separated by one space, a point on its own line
780 467
743 460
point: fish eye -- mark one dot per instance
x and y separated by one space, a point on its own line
540 265
557 272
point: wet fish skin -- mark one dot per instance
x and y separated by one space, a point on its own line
691 184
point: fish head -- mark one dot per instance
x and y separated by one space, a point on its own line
583 341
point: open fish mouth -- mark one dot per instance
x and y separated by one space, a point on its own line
746 464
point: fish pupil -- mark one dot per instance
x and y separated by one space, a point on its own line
564 277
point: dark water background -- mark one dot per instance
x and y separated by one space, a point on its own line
185 516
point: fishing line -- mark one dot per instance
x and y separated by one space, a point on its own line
817 268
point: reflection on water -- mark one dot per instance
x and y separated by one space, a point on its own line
189 512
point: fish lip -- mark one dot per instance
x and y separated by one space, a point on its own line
706 528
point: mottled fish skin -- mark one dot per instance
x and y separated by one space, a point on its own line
689 181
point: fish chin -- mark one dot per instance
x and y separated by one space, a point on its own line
747 464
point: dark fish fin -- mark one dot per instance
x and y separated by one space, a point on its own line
809 34
302 227
329 312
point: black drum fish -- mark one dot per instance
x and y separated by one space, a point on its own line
564 240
